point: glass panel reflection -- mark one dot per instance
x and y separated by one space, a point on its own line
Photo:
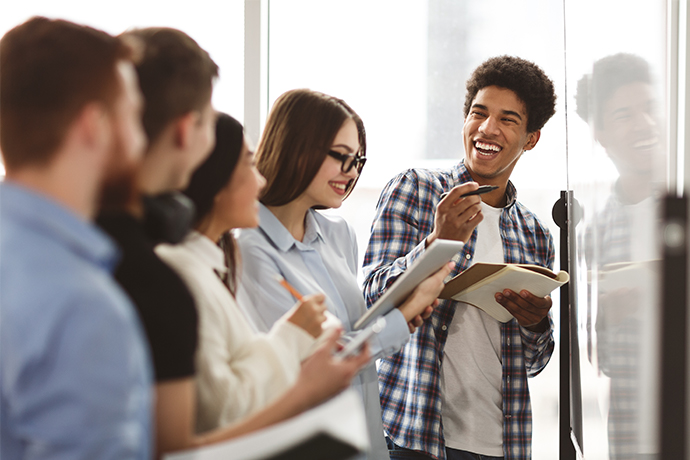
617 169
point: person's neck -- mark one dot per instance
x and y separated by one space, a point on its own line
156 173
76 194
633 188
293 217
210 230
496 198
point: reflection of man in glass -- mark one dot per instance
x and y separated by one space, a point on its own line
618 101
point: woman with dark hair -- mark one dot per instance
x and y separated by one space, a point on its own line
239 373
312 151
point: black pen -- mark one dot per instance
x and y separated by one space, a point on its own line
480 191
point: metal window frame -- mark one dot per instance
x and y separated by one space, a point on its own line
256 71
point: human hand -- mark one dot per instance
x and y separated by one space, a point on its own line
309 314
418 320
323 375
528 309
456 217
424 296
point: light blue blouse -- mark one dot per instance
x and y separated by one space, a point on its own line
325 261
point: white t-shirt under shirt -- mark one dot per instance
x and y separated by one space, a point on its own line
472 370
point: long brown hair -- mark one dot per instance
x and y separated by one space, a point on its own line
299 133
210 178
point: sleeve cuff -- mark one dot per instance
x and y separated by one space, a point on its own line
296 341
537 338
415 253
393 336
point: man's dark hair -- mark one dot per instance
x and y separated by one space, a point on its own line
175 75
524 78
608 74
49 70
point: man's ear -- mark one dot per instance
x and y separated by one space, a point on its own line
184 127
93 126
532 139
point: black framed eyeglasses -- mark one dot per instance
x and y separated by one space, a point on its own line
349 160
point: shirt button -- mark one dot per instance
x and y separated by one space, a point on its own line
508 340
508 416
468 257
444 327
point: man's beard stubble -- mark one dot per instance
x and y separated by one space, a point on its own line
119 190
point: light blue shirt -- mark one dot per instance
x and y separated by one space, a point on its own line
75 375
325 261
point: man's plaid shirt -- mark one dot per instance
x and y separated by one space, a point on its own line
409 380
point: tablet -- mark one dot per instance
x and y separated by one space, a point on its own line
434 257
353 347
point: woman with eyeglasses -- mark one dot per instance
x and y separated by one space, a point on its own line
311 153
243 381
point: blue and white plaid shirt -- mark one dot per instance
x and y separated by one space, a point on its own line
409 380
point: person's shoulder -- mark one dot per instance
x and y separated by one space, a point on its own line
41 266
250 236
329 220
334 226
530 219
421 174
180 256
254 241
420 179
59 302
51 285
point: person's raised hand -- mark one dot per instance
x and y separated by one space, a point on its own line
456 217
309 314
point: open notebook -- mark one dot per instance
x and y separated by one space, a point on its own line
335 430
478 284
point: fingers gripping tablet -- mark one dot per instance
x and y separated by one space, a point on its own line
353 346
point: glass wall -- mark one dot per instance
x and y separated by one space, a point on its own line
617 169
402 65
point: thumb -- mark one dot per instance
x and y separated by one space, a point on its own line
318 298
331 338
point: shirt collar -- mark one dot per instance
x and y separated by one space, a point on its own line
206 250
312 230
461 175
45 215
281 237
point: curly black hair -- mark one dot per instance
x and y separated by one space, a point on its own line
524 78
608 74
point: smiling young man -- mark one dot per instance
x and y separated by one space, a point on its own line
458 389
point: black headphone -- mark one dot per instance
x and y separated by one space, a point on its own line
168 217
